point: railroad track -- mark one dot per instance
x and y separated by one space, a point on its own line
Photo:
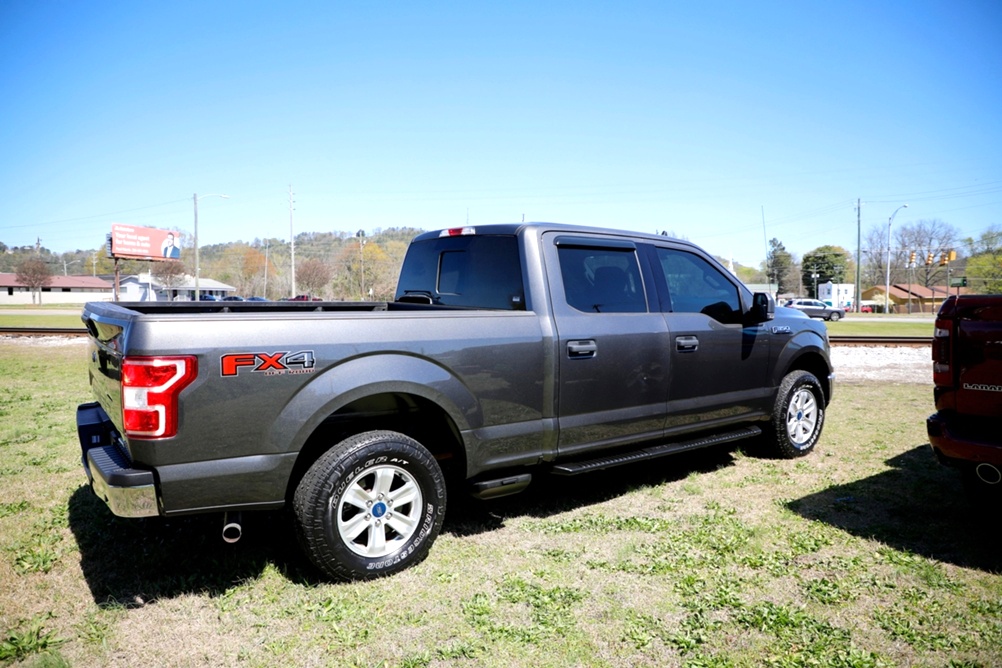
911 341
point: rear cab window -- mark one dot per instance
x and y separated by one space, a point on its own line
465 270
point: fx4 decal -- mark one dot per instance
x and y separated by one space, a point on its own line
269 364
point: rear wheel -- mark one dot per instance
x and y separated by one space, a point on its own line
798 416
370 506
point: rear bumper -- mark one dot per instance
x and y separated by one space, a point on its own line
954 443
129 492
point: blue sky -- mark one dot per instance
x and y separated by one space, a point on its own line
692 117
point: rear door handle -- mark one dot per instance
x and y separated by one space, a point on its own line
581 349
686 344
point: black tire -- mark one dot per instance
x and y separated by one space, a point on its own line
834 317
370 506
798 416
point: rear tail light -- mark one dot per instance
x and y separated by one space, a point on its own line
942 374
150 387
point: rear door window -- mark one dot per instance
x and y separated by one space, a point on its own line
601 279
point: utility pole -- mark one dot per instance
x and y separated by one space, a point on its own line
361 259
267 247
856 298
292 240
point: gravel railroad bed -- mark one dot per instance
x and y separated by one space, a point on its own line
853 364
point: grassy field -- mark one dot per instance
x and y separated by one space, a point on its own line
874 326
863 554
61 320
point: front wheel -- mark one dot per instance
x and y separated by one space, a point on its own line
798 416
370 506
834 317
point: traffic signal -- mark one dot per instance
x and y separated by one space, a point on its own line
928 259
911 259
943 261
951 256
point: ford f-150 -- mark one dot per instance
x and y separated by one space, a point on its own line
508 351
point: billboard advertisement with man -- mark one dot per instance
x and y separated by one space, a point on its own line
144 243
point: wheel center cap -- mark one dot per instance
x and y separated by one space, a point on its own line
379 509
800 415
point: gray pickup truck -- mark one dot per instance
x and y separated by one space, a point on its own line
509 351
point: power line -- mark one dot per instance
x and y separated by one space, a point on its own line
99 215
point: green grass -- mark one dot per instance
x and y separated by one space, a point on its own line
863 554
41 320
874 326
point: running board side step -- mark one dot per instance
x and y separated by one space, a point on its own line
652 452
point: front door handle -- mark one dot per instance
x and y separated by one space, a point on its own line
581 349
686 344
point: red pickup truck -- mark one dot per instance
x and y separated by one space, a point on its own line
966 430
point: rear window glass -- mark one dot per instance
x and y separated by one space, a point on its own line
473 271
602 280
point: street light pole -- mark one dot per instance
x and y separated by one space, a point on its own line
195 197
887 285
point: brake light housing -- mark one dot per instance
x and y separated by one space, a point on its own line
150 389
942 371
458 232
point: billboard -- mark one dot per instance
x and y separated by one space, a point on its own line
144 243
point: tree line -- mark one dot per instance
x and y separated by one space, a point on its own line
925 253
360 266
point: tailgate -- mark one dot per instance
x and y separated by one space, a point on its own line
108 327
979 360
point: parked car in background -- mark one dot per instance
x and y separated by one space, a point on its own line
816 309
233 298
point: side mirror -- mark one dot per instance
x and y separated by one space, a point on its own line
763 307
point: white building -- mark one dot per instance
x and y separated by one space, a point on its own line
837 294
60 290
145 288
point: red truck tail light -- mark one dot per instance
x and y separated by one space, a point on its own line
150 387
942 373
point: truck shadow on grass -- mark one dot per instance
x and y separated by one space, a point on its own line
132 562
550 495
919 507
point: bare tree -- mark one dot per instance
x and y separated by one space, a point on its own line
313 276
35 274
874 258
170 275
925 238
